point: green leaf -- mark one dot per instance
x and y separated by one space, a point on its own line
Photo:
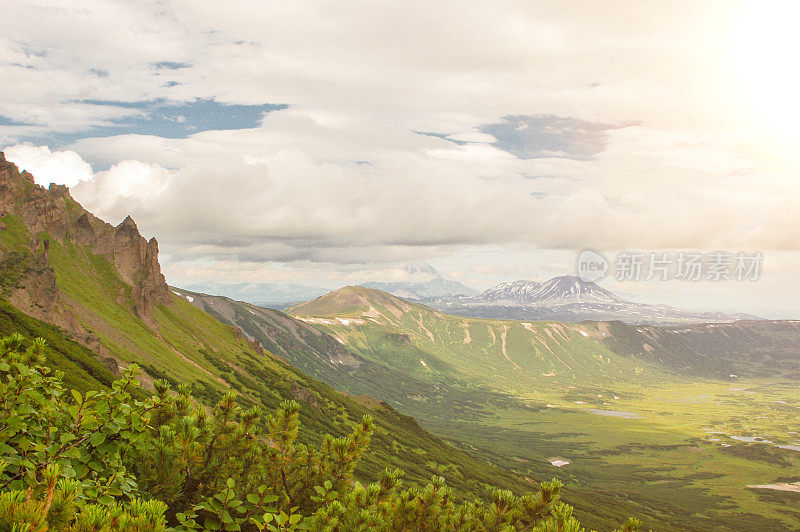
72 453
97 438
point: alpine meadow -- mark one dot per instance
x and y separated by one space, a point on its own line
415 267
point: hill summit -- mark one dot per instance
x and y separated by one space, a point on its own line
351 301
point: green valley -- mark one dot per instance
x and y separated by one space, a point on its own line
650 420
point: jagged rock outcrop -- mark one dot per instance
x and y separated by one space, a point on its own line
53 211
136 261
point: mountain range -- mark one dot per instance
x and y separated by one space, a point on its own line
422 282
567 298
563 298
626 409
276 295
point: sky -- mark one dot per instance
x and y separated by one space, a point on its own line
330 143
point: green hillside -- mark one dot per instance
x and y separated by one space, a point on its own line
647 417
517 357
83 369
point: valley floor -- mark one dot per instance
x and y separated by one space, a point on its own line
684 457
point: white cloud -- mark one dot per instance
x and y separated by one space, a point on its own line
447 65
60 167
125 188
294 190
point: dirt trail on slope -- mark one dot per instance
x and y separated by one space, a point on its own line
543 341
418 320
198 366
503 344
795 486
467 336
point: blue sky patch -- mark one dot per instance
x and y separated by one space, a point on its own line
443 136
180 120
6 121
163 119
542 136
170 65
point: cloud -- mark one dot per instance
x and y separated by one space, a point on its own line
294 191
285 192
127 187
448 67
287 205
60 167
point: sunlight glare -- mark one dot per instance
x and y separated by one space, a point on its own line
766 53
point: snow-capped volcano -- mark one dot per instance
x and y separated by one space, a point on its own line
558 290
422 281
566 298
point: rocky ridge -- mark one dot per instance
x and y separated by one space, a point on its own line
52 213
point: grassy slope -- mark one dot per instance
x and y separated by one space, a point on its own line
325 358
512 356
82 368
185 344
667 465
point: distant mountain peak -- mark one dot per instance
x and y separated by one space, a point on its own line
519 284
420 268
425 283
561 289
277 295
567 298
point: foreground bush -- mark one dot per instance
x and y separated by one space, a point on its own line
107 461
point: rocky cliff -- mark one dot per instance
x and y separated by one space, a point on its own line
51 213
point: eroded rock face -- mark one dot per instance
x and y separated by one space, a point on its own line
56 213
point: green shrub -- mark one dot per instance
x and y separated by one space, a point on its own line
107 461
